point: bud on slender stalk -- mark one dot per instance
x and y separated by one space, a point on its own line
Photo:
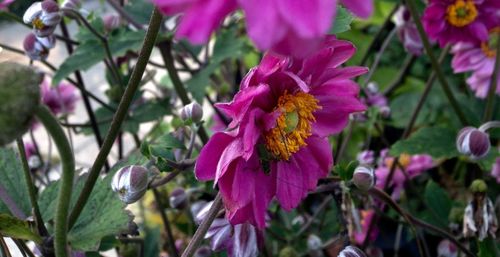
363 178
178 198
351 251
192 112
131 183
111 22
473 142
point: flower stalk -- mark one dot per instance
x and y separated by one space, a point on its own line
68 171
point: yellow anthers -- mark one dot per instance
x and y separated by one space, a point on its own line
461 13
38 23
489 47
293 126
404 160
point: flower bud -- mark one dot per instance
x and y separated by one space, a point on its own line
288 252
363 178
131 183
44 16
72 4
192 112
351 251
478 186
315 246
37 48
111 21
447 249
19 98
473 142
203 251
178 198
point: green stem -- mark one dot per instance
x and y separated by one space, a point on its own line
490 102
66 185
31 189
435 64
119 117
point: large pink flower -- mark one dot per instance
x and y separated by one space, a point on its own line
276 144
286 27
5 3
452 21
478 59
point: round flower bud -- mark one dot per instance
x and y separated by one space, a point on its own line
288 252
473 142
19 98
111 22
351 251
314 243
178 198
478 186
363 178
192 112
447 249
37 48
131 183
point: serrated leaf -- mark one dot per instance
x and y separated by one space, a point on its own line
342 22
16 228
439 203
438 142
13 182
169 141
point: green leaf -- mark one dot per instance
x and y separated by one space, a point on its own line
152 242
140 10
439 142
151 110
12 180
439 203
169 141
16 228
342 21
488 248
346 171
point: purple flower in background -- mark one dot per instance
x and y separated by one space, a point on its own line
361 8
495 170
5 3
43 16
60 99
38 48
452 21
407 31
447 249
413 165
366 157
478 59
366 220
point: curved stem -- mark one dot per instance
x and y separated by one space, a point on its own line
66 185
435 64
119 117
490 102
489 125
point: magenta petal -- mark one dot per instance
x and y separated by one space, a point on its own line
308 18
361 8
245 242
233 151
170 7
206 165
290 183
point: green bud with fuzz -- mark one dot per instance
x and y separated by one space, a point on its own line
478 186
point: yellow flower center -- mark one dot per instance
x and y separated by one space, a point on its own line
461 13
293 126
404 160
489 47
38 23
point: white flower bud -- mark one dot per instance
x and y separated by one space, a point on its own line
131 183
473 142
351 251
178 198
363 178
193 112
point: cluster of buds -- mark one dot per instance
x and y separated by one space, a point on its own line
44 17
131 183
479 217
475 142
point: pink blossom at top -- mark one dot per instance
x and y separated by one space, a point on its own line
495 170
414 165
452 21
5 3
478 59
276 144
60 99
361 8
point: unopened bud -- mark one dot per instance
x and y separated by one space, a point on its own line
478 186
192 112
37 48
203 251
111 21
19 98
363 178
447 249
178 198
351 251
288 252
473 142
43 16
131 183
314 243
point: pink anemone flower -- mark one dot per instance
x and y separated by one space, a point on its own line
276 144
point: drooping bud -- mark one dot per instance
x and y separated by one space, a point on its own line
363 178
407 31
38 48
130 182
192 112
111 21
478 186
351 251
473 142
447 249
44 16
178 198
203 251
19 98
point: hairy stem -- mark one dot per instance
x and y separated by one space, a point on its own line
121 113
66 185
